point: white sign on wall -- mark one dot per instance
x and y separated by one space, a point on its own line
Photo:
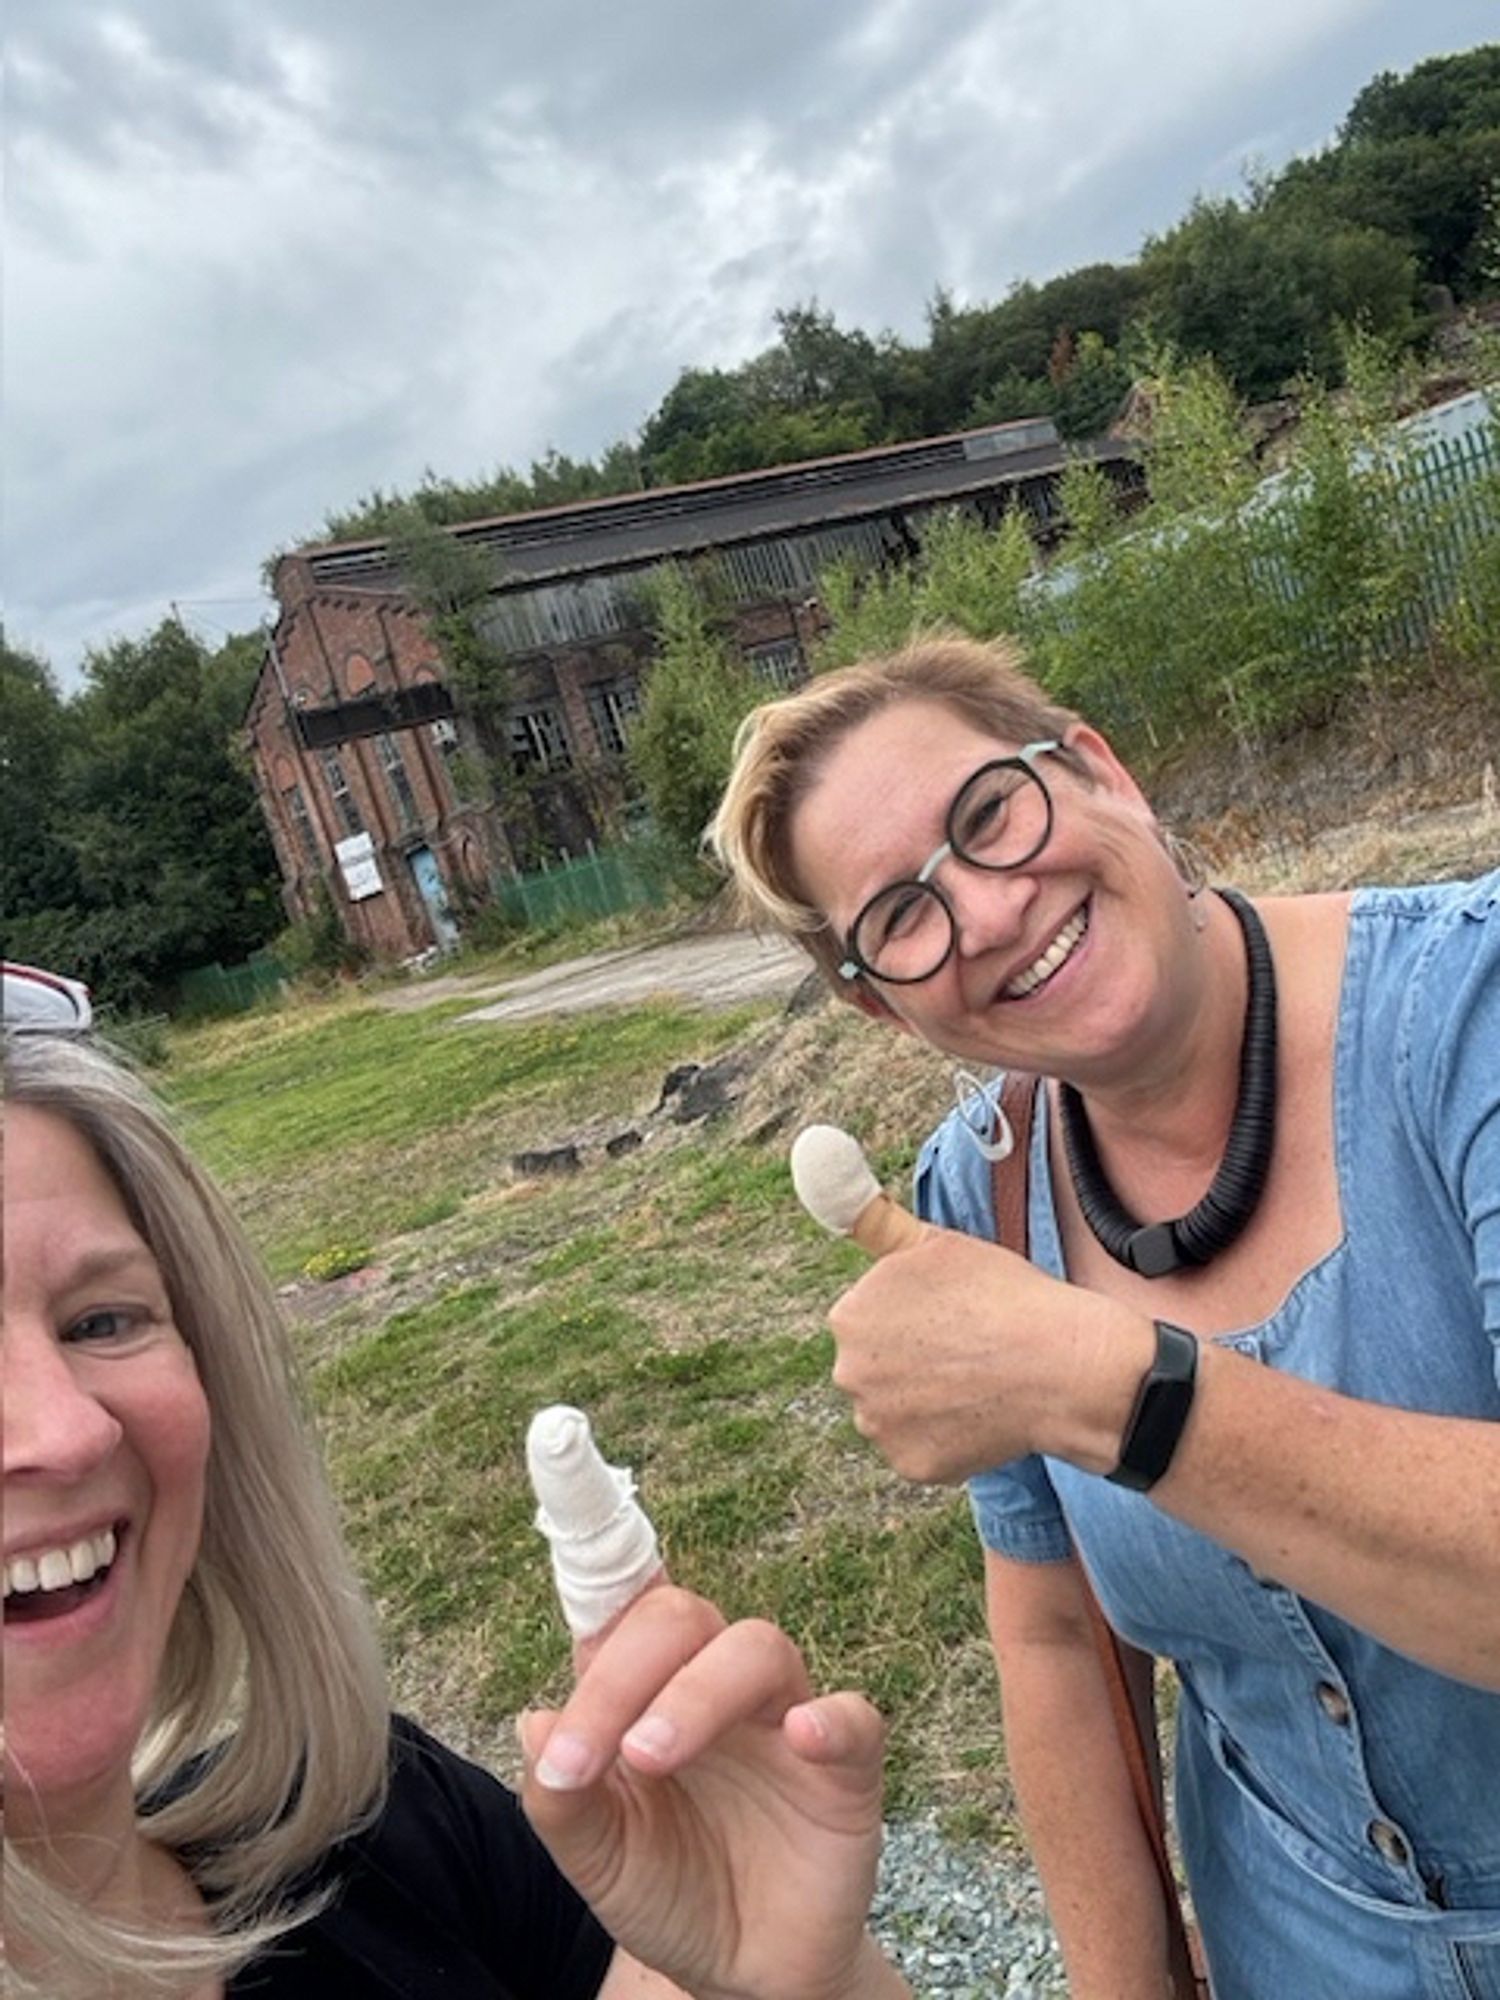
356 856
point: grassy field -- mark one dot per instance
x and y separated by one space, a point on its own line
677 1292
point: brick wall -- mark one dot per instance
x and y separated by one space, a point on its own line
338 646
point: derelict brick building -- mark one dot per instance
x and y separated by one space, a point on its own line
369 772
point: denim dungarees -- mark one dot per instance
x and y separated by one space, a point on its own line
1339 1804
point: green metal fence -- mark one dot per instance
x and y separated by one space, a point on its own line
593 885
230 989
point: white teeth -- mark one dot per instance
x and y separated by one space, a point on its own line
55 1569
1056 954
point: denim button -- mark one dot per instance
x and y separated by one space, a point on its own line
1390 1842
1333 1702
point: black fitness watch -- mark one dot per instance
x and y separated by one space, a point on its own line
1160 1411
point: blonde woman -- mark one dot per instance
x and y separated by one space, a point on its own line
1248 1379
205 1793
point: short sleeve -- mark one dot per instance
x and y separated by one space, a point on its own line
1451 1049
1015 1509
951 1183
1018 1514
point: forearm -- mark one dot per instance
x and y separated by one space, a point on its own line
1387 1517
1082 1823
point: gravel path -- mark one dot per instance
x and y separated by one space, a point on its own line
707 968
963 1921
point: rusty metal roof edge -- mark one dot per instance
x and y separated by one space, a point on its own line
848 511
765 474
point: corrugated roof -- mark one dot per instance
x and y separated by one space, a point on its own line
632 529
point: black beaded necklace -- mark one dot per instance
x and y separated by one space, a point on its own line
1155 1249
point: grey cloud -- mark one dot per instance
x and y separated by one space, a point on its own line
70 86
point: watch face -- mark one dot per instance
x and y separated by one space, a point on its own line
1161 1409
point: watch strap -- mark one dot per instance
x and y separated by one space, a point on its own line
1162 1404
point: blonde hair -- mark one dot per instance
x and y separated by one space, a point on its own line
272 1674
781 749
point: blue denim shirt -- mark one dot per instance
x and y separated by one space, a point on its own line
1339 1804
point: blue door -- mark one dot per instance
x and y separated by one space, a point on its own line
424 872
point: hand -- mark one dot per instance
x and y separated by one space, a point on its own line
958 1355
723 1824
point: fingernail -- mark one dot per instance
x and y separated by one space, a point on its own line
653 1736
811 1719
565 1763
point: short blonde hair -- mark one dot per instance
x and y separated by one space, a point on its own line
782 747
272 1663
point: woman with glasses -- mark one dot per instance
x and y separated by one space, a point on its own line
204 1791
1247 1381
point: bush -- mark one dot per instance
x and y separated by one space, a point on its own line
1227 601
967 577
698 693
317 947
336 1261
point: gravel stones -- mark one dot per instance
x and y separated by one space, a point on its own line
963 1920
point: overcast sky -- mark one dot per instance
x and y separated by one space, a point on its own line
262 256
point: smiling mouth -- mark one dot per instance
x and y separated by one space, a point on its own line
1051 961
57 1581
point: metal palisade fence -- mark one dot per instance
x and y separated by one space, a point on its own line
230 989
1366 552
592 885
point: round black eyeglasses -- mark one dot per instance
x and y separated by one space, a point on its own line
1000 820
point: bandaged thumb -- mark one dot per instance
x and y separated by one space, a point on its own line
835 1185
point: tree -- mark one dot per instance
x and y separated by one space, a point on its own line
37 868
133 846
1459 93
815 365
1091 388
1262 293
174 861
699 403
813 394
697 694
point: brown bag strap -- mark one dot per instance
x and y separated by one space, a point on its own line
1012 1228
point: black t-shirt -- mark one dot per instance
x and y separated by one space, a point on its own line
448 1894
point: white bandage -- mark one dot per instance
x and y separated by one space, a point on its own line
604 1548
832 1177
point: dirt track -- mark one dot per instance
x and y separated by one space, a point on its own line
715 969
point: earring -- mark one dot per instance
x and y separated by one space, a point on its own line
1185 858
981 1115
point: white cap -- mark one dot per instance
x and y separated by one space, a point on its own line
604 1548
